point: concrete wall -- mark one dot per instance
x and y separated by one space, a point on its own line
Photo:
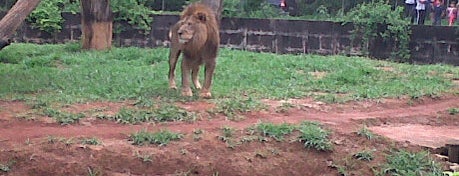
429 44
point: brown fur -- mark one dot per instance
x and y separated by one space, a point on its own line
196 35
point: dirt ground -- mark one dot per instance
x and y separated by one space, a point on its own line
27 149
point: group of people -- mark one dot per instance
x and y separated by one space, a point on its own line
418 10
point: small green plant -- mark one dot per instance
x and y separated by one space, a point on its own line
366 155
314 136
408 163
144 157
227 133
52 139
63 118
91 141
453 111
275 131
365 132
227 136
163 113
232 106
7 167
284 107
197 134
160 138
93 172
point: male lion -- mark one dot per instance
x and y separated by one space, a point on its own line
196 35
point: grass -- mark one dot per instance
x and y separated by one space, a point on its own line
366 155
312 135
63 73
160 138
7 167
408 163
275 131
163 113
453 111
231 107
63 118
91 141
365 132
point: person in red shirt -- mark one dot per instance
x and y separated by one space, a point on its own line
452 13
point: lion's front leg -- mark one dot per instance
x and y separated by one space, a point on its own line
195 76
209 72
173 57
186 70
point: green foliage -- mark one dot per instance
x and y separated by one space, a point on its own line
163 113
453 111
365 132
314 136
134 12
160 138
63 118
275 131
47 16
366 155
377 18
232 106
91 141
407 163
6 167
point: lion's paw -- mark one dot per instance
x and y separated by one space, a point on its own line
187 93
205 95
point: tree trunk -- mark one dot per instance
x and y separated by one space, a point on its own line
96 24
14 18
217 6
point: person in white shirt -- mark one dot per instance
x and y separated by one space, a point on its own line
410 10
421 11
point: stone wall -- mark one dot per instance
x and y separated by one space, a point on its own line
429 44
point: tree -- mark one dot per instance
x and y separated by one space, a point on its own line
14 18
216 6
96 24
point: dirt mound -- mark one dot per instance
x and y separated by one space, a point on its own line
27 148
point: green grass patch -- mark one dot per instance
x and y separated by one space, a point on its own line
163 113
453 111
63 73
314 136
7 167
91 141
275 131
232 107
365 155
408 163
365 132
63 118
160 138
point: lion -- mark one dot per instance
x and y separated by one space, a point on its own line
196 35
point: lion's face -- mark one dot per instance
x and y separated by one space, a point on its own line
190 26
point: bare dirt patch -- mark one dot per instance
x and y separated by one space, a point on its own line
402 123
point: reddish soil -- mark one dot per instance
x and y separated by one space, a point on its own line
25 144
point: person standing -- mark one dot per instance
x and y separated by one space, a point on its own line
410 10
421 11
438 10
452 13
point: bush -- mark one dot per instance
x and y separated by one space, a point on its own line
378 19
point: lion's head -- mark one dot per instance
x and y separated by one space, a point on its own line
197 24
